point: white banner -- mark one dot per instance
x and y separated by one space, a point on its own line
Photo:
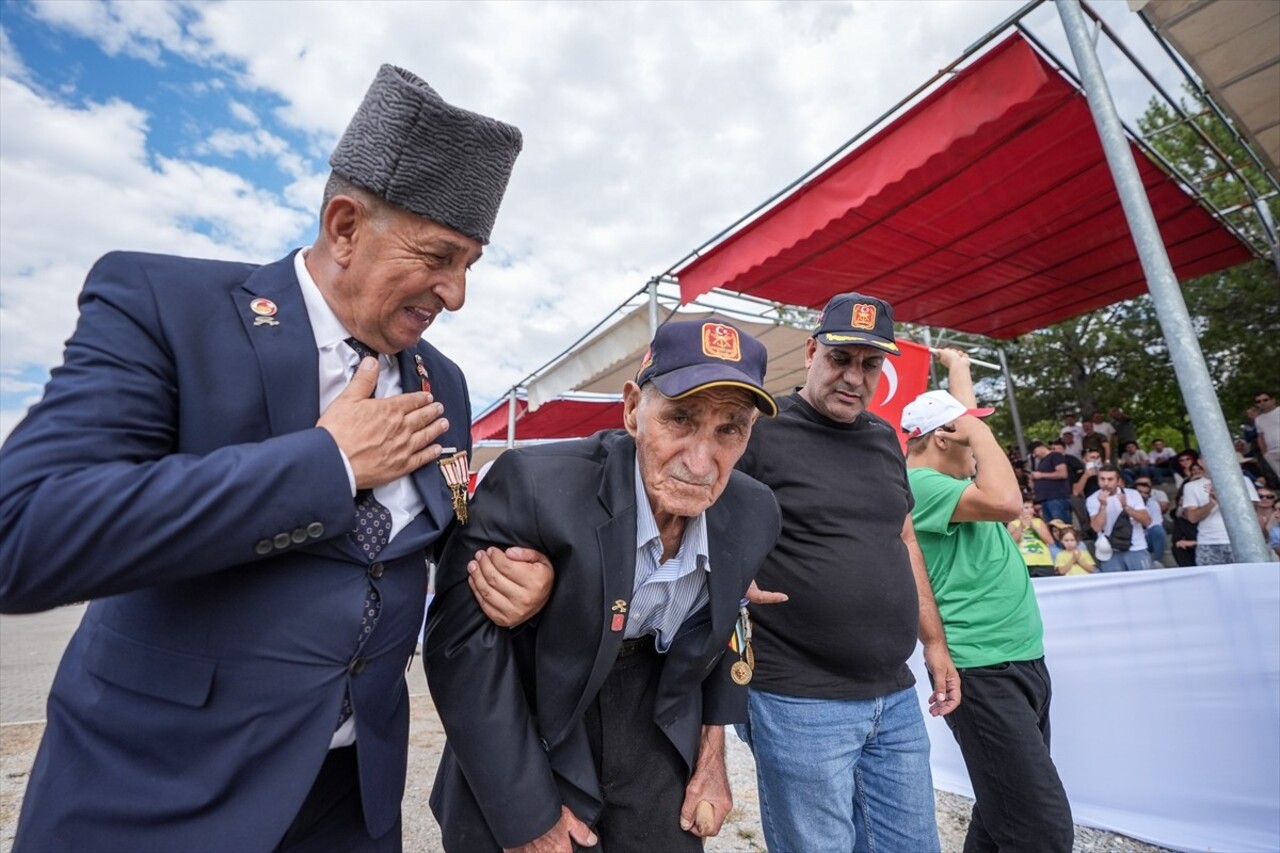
1166 704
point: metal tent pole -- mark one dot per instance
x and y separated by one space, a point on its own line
1013 403
653 307
1184 348
511 418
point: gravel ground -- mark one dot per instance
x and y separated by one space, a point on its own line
740 834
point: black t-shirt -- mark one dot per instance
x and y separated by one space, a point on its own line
1047 490
853 616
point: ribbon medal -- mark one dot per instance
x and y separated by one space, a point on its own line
456 474
740 644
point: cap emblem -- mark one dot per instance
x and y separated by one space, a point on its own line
720 341
864 316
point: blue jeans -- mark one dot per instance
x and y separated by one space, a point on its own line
1059 508
842 774
1126 561
1157 539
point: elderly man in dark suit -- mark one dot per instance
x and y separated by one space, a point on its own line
252 519
601 720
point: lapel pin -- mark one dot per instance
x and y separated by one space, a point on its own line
266 311
619 615
422 372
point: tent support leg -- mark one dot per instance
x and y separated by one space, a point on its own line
653 307
1175 321
511 418
1013 403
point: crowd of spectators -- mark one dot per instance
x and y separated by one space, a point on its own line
1160 502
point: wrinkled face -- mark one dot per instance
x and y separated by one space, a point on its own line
841 380
687 448
1108 480
401 272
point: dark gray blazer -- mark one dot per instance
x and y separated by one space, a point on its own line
512 701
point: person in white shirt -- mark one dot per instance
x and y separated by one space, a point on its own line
1200 505
1268 425
1121 515
1156 502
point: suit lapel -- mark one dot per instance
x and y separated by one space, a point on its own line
725 576
617 542
284 344
428 479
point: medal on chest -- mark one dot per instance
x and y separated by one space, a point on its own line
740 644
453 464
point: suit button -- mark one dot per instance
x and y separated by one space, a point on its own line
281 540
375 571
263 547
356 666
545 746
315 530
299 535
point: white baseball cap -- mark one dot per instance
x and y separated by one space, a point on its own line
933 409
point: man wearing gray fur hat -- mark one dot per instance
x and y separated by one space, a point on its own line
246 469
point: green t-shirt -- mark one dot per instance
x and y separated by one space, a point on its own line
981 584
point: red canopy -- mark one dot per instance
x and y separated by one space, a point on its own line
987 207
563 418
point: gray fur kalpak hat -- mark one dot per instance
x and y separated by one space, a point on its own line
408 145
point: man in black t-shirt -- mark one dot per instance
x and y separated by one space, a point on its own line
842 754
1049 479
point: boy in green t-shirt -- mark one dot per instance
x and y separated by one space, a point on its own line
965 491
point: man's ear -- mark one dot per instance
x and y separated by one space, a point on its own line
810 347
630 406
341 223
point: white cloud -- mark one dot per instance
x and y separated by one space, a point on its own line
78 182
139 29
243 112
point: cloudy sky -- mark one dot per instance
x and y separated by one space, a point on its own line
204 129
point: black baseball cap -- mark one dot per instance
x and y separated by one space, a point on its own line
851 319
687 356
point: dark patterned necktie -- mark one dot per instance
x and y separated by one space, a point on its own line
370 534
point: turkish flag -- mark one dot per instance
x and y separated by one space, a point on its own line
904 378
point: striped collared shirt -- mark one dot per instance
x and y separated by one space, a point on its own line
666 593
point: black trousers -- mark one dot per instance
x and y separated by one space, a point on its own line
642 775
1002 726
331 819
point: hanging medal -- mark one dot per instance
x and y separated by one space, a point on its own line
456 474
740 643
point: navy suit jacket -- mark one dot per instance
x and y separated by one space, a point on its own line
173 473
512 701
